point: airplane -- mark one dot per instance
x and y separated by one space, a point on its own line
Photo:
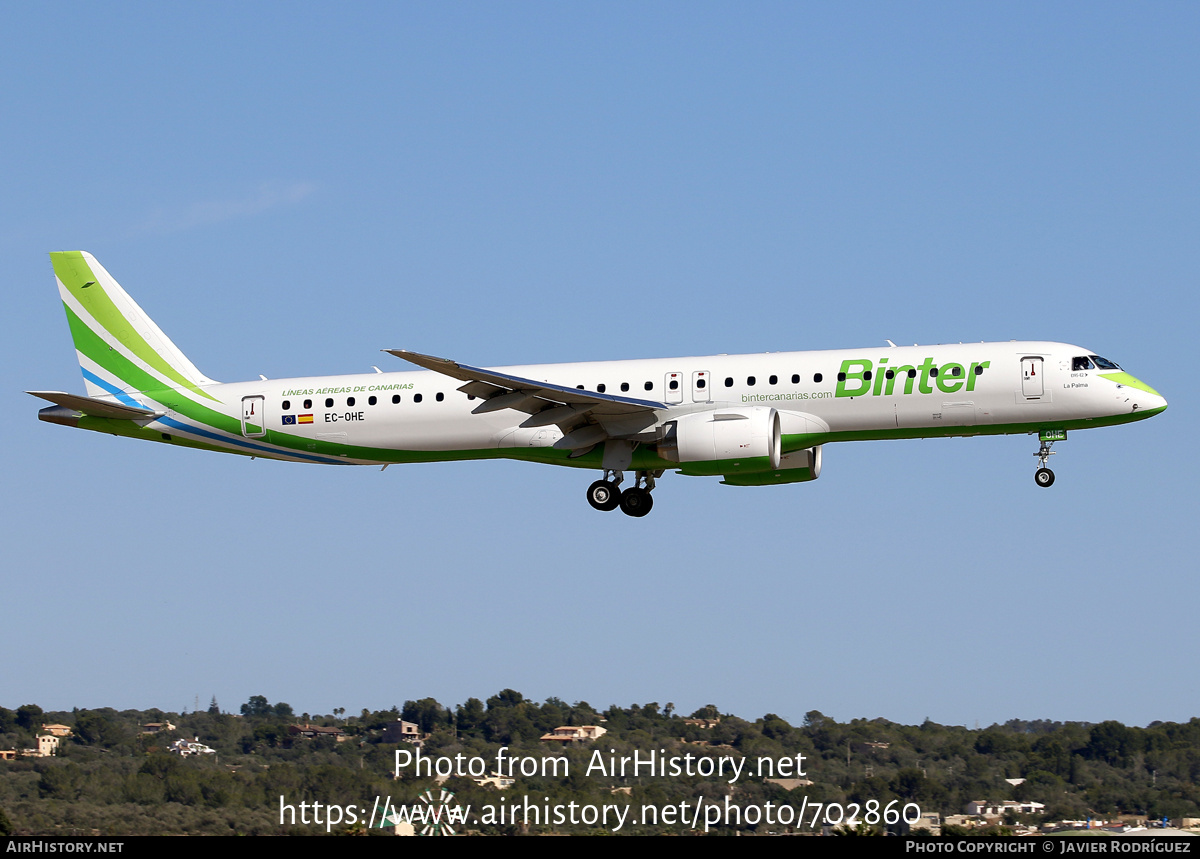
754 420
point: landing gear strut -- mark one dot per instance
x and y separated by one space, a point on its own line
635 501
1044 477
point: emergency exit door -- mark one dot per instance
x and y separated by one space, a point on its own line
254 425
1031 378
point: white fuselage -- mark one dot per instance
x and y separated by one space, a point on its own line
990 394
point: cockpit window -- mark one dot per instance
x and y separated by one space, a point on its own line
1104 363
1081 363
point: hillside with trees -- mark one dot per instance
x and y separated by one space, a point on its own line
113 778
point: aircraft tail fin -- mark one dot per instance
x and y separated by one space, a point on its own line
119 347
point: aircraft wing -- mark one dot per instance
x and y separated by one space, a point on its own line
585 417
95 408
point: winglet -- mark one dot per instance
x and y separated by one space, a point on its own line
429 362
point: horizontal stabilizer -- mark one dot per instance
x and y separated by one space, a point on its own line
95 408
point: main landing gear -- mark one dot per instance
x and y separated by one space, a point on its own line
604 495
1044 477
635 501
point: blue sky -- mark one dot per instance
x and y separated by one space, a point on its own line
287 189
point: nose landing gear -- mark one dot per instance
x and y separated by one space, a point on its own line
635 501
1044 477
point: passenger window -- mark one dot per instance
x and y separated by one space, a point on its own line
700 383
890 374
774 380
308 404
329 403
957 371
349 401
440 396
601 388
841 377
750 380
580 387
395 399
978 370
867 376
649 386
728 381
674 384
795 378
933 372
624 386
371 401
287 405
912 374
817 377
416 398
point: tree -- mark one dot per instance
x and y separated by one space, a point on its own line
505 698
776 728
213 709
29 716
470 717
427 713
1048 754
60 782
1113 743
256 706
94 728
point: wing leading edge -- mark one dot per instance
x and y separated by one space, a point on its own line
586 418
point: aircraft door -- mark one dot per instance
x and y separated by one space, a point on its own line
673 386
253 423
1031 378
700 382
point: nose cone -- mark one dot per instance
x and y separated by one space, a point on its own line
1158 403
1137 395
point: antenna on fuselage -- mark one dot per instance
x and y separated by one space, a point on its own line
890 343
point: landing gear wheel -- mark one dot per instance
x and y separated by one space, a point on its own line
636 502
1044 477
604 495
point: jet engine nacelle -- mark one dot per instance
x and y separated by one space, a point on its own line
751 436
799 466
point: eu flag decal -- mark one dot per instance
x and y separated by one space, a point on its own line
289 420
